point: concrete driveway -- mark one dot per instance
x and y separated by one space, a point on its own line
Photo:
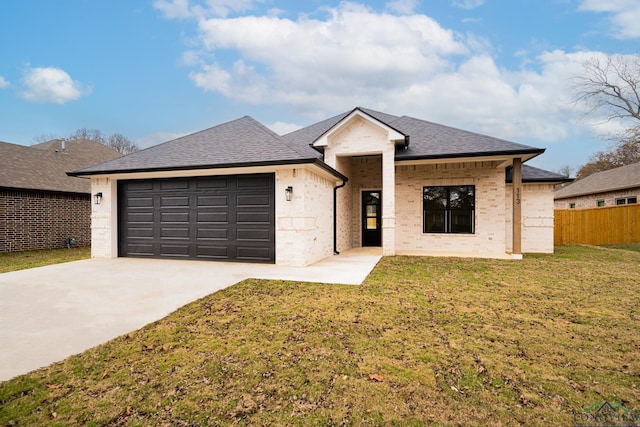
50 313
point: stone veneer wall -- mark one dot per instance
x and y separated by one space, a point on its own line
304 226
35 220
489 234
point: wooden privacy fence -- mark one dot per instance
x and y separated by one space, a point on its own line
599 226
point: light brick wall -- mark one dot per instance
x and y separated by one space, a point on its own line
345 205
34 220
489 184
591 201
537 218
304 226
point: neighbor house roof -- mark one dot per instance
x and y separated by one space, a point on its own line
44 166
246 142
614 179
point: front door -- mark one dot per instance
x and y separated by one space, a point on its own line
372 218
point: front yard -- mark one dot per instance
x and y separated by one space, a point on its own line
424 341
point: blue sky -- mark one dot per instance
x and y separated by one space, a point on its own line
157 69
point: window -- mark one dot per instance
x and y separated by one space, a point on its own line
449 209
600 203
627 201
572 205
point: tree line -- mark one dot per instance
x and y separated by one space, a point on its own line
117 141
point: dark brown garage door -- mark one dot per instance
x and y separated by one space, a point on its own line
225 218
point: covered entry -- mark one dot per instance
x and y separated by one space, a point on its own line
225 218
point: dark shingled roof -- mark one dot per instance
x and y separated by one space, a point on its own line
241 142
246 142
614 179
44 166
531 174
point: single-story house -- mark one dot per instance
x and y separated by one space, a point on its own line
615 187
41 207
240 192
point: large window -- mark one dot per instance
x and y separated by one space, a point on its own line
449 209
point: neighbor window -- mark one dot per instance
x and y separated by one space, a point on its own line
632 200
600 203
572 205
621 201
449 209
627 201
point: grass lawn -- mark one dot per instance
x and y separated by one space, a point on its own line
12 261
424 341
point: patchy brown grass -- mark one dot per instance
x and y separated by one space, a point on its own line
424 341
12 261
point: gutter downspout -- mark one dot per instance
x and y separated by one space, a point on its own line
335 216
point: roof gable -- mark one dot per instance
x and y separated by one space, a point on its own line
355 115
614 179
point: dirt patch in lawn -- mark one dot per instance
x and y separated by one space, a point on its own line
424 341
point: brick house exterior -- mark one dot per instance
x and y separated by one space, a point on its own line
615 187
40 206
361 178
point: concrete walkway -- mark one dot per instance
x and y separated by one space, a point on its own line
50 313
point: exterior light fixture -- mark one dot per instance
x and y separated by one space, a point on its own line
287 193
98 198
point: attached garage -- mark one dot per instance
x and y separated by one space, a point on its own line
225 218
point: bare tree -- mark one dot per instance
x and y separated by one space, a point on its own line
90 134
121 144
45 137
612 85
626 152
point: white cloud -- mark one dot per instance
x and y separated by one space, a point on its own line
4 83
51 85
415 67
468 4
403 7
181 9
282 128
624 15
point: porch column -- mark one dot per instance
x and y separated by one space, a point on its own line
517 208
389 202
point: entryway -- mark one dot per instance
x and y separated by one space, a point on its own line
372 218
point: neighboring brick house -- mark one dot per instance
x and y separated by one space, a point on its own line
240 192
615 187
41 207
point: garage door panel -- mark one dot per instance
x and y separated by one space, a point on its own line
251 253
228 218
213 201
213 217
253 235
166 217
171 201
168 250
213 234
140 202
253 200
174 233
253 217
